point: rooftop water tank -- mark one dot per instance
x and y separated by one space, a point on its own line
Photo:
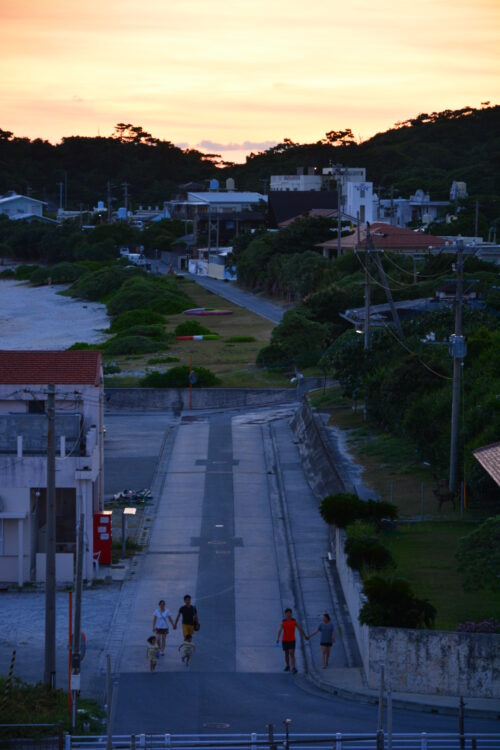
122 213
214 185
100 205
230 186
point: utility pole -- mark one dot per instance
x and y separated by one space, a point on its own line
108 185
414 269
61 185
383 279
125 195
458 350
392 204
476 220
77 629
367 287
50 552
65 190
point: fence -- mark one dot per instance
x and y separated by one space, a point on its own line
36 737
255 741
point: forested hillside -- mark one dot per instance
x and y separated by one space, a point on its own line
428 151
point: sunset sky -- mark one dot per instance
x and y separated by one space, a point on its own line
238 75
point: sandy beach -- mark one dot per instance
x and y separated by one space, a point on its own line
40 318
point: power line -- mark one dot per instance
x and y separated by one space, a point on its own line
415 354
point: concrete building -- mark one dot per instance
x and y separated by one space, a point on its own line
212 202
359 200
297 182
417 208
21 206
78 380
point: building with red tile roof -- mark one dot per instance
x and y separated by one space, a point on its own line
387 237
55 367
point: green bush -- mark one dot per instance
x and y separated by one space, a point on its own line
274 357
191 328
240 339
391 603
141 292
98 285
141 316
62 273
344 508
25 272
133 345
151 331
178 377
84 346
364 549
111 368
8 273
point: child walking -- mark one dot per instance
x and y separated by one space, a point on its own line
187 648
152 652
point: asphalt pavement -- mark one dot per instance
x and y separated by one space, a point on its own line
230 291
219 534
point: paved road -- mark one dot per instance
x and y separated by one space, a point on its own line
218 535
238 296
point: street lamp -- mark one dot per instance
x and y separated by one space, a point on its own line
126 512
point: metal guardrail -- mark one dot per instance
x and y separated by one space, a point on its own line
254 741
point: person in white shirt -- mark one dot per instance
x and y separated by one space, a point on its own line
161 616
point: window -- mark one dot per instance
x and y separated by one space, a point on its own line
36 407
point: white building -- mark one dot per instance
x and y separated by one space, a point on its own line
359 200
296 182
24 379
20 206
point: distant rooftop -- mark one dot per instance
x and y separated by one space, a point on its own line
233 196
11 196
50 367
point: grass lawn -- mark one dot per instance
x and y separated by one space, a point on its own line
392 466
233 363
36 704
425 556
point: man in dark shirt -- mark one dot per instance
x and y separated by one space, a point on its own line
189 617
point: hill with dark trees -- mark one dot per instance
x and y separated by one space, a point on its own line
428 151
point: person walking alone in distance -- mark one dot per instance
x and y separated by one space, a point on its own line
327 638
287 627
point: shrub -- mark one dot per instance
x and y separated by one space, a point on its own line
178 377
97 285
25 272
391 603
151 331
141 292
141 316
240 339
84 346
344 508
61 273
111 369
8 273
274 357
364 549
132 345
191 328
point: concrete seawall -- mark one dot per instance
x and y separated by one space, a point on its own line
177 399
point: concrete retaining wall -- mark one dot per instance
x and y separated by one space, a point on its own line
421 661
352 586
320 465
177 399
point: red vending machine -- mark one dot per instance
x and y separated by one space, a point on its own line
102 538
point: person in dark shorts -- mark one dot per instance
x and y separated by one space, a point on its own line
161 618
327 638
189 617
288 627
